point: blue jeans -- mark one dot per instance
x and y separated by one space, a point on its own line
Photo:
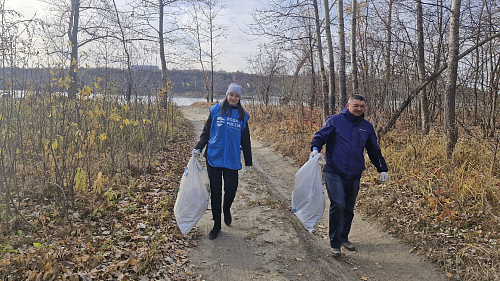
342 194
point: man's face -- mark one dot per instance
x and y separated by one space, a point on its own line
356 107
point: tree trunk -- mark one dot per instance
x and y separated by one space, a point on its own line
211 54
331 63
314 88
354 66
124 44
324 83
429 79
450 130
342 71
424 103
164 78
73 39
388 67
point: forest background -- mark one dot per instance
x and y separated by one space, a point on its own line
86 132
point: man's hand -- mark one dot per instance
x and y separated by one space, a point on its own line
248 169
314 152
196 153
384 176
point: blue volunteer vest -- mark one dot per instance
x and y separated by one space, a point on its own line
224 145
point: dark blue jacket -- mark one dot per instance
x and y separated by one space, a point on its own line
346 136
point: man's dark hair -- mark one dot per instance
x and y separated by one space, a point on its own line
356 97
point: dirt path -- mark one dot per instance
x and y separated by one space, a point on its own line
267 242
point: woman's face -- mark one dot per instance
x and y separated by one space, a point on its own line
233 98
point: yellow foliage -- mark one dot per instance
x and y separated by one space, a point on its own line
126 122
92 138
110 194
99 183
85 92
114 117
55 145
103 137
4 263
80 181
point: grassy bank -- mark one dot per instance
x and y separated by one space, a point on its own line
88 188
446 209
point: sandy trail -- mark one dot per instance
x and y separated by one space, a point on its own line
267 242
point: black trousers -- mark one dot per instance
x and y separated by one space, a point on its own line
216 175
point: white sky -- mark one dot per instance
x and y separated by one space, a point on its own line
238 45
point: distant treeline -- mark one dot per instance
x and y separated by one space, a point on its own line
145 81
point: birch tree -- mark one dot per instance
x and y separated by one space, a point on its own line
342 62
331 62
354 65
450 130
324 83
424 103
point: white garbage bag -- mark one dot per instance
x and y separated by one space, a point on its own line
193 196
308 196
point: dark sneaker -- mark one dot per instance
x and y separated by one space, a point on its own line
349 246
336 252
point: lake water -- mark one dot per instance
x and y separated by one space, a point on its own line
181 101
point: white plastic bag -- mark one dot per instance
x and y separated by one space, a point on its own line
308 196
193 196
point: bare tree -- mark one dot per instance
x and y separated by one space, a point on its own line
74 20
124 45
388 46
342 62
331 62
205 36
324 83
161 43
268 65
354 65
424 103
450 130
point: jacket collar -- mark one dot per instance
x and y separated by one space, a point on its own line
351 117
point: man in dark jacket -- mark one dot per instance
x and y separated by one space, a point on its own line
346 136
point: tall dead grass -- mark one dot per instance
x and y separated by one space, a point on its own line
446 208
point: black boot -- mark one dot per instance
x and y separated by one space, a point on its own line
214 232
227 217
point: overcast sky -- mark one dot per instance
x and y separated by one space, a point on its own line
238 45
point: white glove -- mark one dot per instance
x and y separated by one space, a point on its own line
384 176
248 168
314 152
196 153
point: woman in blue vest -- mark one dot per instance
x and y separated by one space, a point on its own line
225 134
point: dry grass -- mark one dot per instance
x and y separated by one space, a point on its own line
446 208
